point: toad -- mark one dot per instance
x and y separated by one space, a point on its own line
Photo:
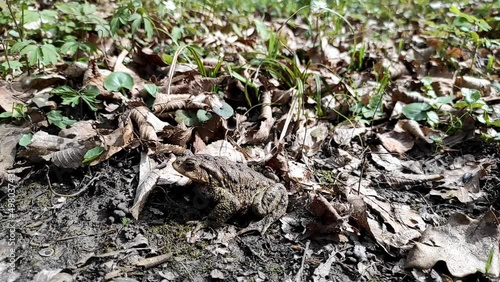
234 187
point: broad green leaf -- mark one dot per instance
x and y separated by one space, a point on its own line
188 118
68 8
262 29
136 20
484 25
88 9
167 58
461 104
49 54
92 154
203 115
118 80
14 65
471 95
148 27
176 33
375 102
224 110
20 45
432 118
13 33
455 10
6 115
445 99
57 119
25 139
151 89
416 111
69 48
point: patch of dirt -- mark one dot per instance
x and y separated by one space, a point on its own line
91 237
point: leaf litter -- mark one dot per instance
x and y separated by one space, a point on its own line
382 142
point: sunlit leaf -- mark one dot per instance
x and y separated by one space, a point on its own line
25 139
56 118
471 95
416 111
92 154
151 89
188 118
118 80
203 115
224 110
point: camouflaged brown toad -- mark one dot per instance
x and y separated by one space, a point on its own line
235 188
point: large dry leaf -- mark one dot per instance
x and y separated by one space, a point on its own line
8 143
396 142
464 244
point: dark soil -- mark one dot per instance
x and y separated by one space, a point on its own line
91 235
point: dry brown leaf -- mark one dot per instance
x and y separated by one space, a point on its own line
384 159
396 142
147 123
480 84
7 97
462 182
413 128
45 81
8 144
178 135
344 133
118 140
464 244
66 151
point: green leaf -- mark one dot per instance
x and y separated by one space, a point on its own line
6 115
148 27
176 33
20 45
118 80
188 118
69 95
461 104
49 54
25 140
224 110
136 20
151 89
92 154
445 99
482 24
455 10
471 95
432 118
89 95
69 48
57 119
416 111
262 29
14 65
167 58
203 115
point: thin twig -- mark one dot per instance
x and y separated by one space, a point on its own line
85 188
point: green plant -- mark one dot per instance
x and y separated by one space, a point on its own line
56 118
92 154
73 97
37 54
119 81
132 15
19 111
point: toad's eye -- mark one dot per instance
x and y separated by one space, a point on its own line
190 165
